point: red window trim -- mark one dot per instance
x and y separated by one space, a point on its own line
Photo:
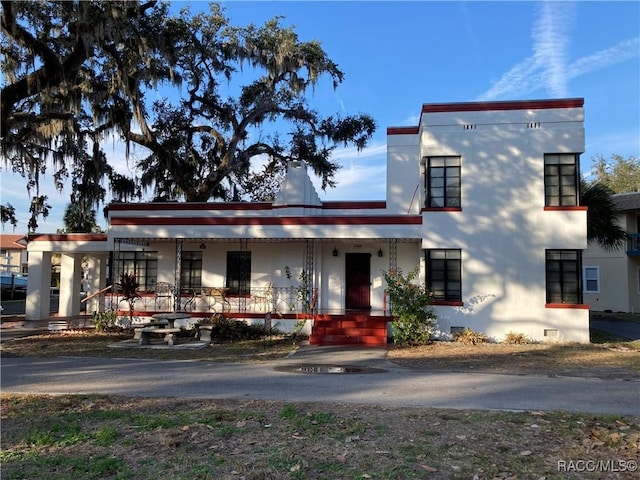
578 306
441 209
580 208
448 303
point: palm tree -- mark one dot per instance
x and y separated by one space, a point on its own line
602 217
79 220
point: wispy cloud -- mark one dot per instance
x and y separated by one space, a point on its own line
352 153
625 50
473 39
362 175
549 67
551 35
357 182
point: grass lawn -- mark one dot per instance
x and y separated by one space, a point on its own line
108 437
104 437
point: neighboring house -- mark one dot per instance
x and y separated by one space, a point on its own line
13 264
482 199
13 253
612 277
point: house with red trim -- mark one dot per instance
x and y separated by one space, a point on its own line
482 199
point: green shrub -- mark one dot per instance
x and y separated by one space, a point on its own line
229 330
470 337
104 321
410 307
515 338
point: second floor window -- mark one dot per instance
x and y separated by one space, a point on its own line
561 180
442 182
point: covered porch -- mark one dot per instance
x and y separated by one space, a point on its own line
324 283
258 276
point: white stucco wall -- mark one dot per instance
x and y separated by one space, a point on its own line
503 228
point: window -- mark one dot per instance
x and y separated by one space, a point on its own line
444 274
238 273
561 179
143 264
191 270
442 182
563 276
591 279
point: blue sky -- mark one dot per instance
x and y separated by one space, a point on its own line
398 55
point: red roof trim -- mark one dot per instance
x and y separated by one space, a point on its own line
504 105
403 130
196 206
229 221
241 206
296 205
365 205
68 237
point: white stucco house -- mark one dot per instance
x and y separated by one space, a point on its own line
612 277
481 197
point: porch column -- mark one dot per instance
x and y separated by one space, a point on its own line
96 279
38 286
178 273
70 283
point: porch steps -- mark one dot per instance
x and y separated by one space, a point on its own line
354 329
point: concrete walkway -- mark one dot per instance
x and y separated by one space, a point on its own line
278 380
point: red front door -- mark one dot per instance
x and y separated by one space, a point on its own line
358 281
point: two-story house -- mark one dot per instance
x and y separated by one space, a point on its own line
612 277
13 263
482 199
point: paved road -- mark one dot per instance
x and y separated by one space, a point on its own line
628 330
394 386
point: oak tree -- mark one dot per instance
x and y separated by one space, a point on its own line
232 103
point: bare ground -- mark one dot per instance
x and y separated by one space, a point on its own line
612 360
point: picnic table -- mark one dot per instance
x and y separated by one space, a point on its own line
170 318
169 334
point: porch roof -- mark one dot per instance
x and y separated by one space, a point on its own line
290 227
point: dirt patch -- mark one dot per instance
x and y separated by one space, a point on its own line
89 343
620 360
